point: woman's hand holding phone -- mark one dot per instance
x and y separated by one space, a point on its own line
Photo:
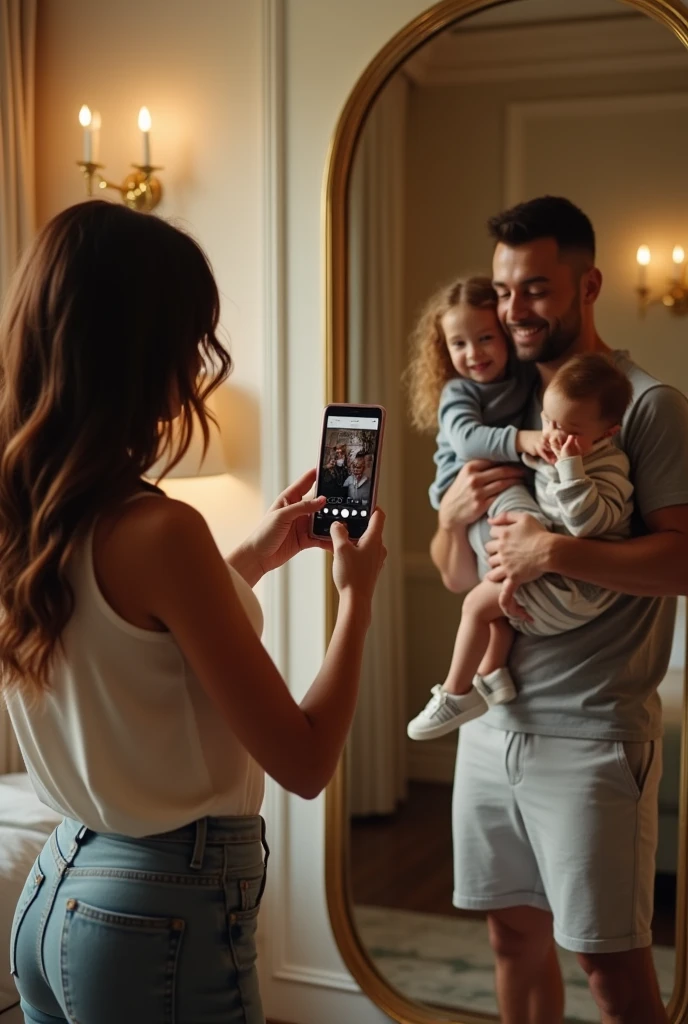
356 567
282 532
349 459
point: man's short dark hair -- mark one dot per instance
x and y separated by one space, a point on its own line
545 217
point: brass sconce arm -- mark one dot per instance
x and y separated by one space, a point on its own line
140 190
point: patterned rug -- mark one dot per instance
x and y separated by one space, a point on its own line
446 961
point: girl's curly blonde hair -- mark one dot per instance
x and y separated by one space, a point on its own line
430 367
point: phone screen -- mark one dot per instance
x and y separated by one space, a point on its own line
347 467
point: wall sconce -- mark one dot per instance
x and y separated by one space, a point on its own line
140 190
675 297
217 486
192 465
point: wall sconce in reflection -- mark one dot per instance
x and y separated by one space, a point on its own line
675 296
140 190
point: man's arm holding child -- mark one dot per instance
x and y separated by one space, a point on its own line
464 502
655 565
652 565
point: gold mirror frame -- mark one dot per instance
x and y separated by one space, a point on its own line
337 831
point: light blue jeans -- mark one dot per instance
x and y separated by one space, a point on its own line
160 930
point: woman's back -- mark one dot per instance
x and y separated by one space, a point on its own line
144 702
127 740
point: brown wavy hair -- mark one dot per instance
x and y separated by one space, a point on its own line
110 314
430 366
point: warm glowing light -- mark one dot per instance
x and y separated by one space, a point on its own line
678 255
85 116
144 119
643 255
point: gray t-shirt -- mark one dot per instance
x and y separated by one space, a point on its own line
600 681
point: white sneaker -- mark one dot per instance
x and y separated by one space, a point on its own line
445 712
496 687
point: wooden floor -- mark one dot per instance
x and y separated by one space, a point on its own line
405 861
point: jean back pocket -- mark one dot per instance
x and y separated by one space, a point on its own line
119 967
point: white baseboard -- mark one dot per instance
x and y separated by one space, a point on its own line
432 761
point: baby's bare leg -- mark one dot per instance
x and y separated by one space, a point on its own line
480 609
498 650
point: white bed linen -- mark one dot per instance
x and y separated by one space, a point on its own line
24 826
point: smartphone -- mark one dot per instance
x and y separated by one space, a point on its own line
348 467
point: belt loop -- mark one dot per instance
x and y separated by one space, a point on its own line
76 843
265 861
264 842
199 846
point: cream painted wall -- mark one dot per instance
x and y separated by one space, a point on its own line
198 69
449 200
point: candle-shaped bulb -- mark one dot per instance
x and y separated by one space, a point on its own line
144 126
678 255
643 258
144 119
85 119
95 136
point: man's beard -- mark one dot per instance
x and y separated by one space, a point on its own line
561 335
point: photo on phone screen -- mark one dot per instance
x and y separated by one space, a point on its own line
350 451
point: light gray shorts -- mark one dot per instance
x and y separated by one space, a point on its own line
564 825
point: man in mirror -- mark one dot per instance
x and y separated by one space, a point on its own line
358 483
555 799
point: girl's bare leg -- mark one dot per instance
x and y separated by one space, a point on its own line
499 648
480 609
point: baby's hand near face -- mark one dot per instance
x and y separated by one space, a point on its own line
570 448
573 446
555 440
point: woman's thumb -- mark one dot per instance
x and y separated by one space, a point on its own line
339 535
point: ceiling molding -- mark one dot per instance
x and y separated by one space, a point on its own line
586 47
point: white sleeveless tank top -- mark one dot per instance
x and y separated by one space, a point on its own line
127 740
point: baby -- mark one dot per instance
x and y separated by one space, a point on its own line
581 483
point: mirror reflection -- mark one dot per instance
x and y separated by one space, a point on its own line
583 99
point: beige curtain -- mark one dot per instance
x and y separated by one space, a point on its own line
17 182
17 193
376 753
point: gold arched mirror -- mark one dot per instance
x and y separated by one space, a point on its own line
474 106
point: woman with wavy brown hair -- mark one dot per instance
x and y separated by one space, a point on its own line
145 706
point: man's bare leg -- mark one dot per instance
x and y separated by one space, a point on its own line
624 986
528 979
